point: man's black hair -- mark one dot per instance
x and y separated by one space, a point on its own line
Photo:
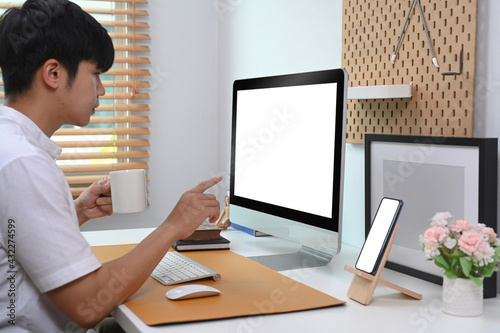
49 29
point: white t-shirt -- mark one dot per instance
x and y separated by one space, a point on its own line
41 246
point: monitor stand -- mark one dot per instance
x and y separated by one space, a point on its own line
304 258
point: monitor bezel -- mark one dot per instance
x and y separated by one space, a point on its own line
338 76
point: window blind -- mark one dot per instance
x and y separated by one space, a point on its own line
117 137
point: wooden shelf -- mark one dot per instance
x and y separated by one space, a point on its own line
380 92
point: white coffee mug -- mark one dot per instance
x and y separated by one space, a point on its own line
128 191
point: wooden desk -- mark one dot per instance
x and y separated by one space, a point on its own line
389 310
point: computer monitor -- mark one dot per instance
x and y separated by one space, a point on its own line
287 162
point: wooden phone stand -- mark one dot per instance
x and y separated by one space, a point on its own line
363 284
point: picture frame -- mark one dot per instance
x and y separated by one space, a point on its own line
430 175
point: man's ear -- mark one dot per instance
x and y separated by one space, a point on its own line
51 72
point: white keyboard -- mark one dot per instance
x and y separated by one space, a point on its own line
177 268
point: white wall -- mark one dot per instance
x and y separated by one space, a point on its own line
200 47
184 130
487 92
262 38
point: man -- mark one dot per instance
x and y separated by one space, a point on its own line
51 55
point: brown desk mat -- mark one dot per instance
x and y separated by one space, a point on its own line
247 288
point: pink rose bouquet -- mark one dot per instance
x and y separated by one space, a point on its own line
462 249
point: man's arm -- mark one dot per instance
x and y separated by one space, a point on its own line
89 299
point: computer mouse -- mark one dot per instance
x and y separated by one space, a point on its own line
189 291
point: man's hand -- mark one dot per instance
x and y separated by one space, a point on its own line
194 207
95 201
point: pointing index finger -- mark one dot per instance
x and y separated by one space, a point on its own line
203 186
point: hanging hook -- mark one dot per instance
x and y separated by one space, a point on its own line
461 66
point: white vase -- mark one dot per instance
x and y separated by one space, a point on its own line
462 297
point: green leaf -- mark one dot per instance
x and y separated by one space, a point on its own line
466 265
477 281
450 274
490 269
453 263
458 254
441 262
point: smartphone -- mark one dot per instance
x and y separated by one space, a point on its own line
380 232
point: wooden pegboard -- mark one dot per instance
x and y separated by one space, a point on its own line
441 105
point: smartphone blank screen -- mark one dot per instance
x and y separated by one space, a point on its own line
385 218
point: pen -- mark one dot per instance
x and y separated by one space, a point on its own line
434 60
393 58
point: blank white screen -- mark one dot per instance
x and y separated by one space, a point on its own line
378 234
285 141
